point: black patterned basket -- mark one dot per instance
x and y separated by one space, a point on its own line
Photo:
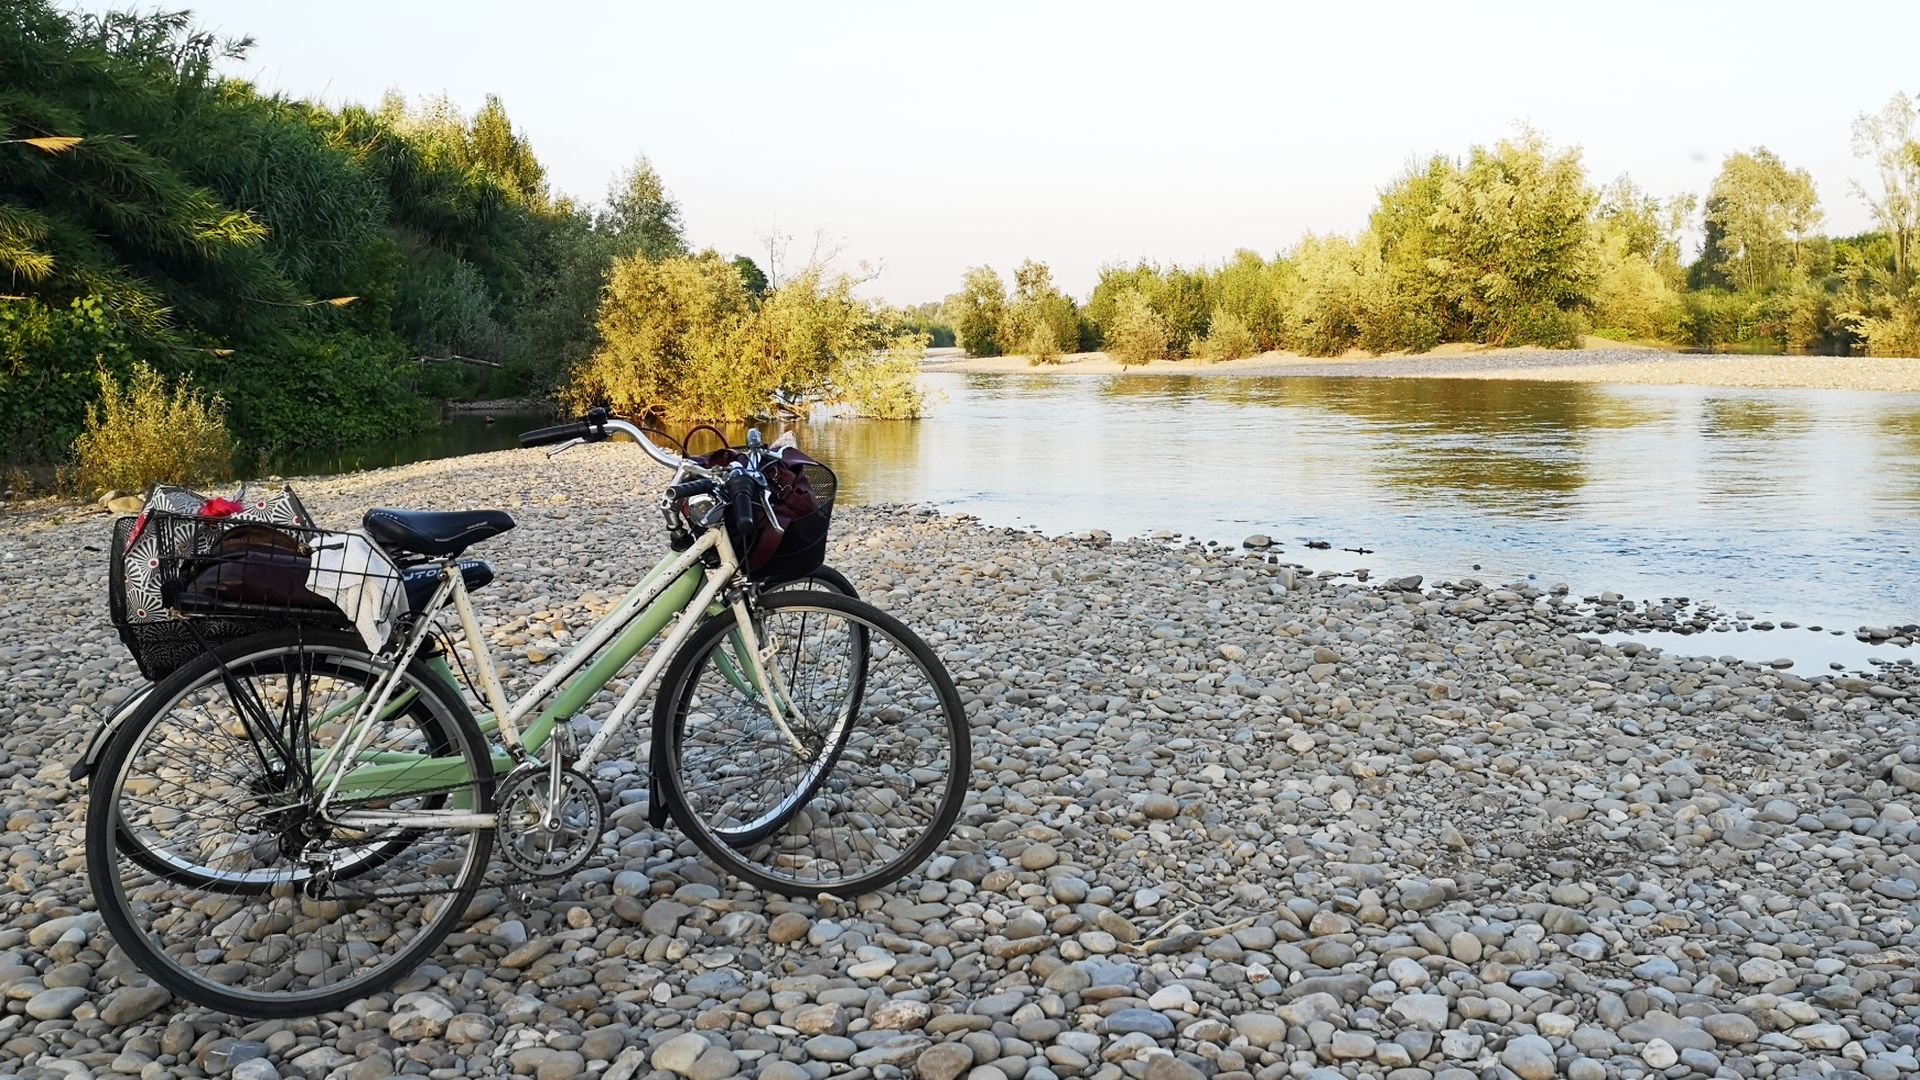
181 585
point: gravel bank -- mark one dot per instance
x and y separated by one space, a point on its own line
1230 819
1620 364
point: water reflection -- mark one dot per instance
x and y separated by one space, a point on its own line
1792 504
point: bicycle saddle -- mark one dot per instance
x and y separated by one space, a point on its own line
434 532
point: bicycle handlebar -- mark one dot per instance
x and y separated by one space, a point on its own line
597 426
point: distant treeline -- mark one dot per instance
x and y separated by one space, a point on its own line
1512 245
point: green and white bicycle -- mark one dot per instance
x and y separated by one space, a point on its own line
291 821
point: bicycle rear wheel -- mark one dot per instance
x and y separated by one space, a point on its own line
856 783
212 871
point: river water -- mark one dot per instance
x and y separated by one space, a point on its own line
1784 504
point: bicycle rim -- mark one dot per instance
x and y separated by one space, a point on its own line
258 908
857 784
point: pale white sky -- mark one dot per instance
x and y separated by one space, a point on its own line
936 137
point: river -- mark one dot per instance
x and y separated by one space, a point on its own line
1782 504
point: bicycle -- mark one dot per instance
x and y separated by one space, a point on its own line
292 821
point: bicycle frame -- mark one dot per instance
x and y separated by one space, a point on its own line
671 592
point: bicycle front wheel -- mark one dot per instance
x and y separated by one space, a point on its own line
846 779
214 871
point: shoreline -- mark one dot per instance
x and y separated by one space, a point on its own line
1600 362
1228 817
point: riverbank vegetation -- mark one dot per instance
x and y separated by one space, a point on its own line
326 272
1514 244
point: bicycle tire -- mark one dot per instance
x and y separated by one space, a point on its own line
676 702
104 828
180 873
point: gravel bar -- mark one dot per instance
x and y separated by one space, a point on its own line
1230 818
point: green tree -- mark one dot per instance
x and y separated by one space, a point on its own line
1135 333
978 310
1887 139
641 216
1758 213
1041 321
751 276
1512 241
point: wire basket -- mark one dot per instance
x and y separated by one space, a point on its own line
803 544
181 585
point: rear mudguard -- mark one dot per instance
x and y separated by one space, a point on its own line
103 733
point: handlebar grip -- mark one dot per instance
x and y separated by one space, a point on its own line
559 433
740 493
690 489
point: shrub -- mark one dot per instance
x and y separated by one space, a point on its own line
144 432
683 339
50 362
1323 317
1227 338
319 389
1896 330
886 385
977 312
1548 327
1137 334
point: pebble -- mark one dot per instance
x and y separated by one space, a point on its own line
1228 817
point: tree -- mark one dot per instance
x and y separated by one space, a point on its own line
1512 244
1887 139
750 276
641 216
1648 227
505 153
1041 321
669 330
1759 212
978 310
1136 333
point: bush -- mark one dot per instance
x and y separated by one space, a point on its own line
50 362
1896 332
683 339
1137 334
319 388
886 385
1548 327
1324 315
144 432
1227 338
1630 295
1716 318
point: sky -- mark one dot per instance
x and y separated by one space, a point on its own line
927 138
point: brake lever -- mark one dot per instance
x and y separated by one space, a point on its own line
564 447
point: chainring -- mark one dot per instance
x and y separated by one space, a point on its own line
541 844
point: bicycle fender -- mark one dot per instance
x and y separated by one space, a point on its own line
104 731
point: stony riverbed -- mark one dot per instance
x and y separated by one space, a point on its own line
1229 818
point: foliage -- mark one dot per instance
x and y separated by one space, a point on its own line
1041 322
885 385
641 217
1511 241
1327 309
144 431
1136 333
683 338
977 311
1228 338
930 319
1758 213
50 363
1630 294
751 276
1887 139
192 216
